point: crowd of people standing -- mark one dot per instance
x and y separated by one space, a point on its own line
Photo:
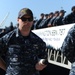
56 18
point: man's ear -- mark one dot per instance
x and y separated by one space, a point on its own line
17 19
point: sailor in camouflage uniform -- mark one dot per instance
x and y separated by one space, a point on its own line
68 48
25 52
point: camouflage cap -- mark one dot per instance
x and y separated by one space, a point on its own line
73 8
25 11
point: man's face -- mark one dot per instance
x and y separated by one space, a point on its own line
74 10
25 22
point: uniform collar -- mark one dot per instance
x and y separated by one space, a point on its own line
18 33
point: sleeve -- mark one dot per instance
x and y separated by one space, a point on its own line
42 53
68 46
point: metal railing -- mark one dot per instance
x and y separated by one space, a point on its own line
56 57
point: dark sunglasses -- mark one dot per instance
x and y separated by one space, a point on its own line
27 19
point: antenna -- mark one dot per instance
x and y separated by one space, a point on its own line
61 8
4 19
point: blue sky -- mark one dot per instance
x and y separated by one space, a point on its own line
37 6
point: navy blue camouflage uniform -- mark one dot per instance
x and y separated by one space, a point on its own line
22 53
70 18
68 48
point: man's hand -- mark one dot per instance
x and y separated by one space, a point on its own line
40 66
2 64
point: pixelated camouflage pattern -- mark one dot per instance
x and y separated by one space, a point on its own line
22 53
68 48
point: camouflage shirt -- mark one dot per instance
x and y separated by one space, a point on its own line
22 53
68 48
